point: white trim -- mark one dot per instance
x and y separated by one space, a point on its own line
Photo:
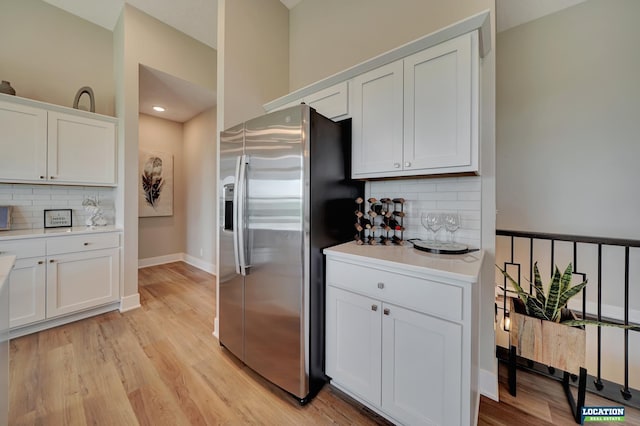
216 328
131 302
160 260
178 257
50 323
488 383
199 263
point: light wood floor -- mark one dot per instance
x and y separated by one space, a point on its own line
160 365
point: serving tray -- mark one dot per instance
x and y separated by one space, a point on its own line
440 247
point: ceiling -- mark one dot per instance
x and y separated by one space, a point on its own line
198 19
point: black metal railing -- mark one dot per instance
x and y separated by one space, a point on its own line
620 392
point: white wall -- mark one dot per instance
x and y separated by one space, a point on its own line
568 102
48 54
200 188
253 40
568 109
141 39
328 36
164 235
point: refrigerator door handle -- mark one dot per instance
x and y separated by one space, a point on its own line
236 222
242 184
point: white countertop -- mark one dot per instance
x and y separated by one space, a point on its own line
6 264
464 267
53 232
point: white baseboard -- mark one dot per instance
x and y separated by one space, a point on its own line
177 257
159 260
128 303
488 383
199 263
44 325
215 328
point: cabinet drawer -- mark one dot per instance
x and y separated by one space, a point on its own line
82 243
422 295
23 248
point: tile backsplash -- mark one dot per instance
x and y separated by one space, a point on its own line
447 194
30 201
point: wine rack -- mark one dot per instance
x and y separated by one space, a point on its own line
382 222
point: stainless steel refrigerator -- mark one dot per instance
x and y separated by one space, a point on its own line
284 194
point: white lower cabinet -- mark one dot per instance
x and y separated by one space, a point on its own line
77 281
27 284
392 346
70 274
353 342
421 363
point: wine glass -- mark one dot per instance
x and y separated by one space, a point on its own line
451 223
433 222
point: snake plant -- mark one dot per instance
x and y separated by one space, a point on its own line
548 306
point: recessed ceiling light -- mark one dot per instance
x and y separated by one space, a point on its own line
158 108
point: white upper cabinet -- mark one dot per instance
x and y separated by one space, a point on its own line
418 115
377 121
332 102
42 144
23 145
81 150
440 108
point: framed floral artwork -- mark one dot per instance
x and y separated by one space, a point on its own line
155 184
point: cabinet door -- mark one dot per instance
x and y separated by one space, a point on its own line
353 343
421 367
23 145
440 108
81 150
27 292
377 121
77 281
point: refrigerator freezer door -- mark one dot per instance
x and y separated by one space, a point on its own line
274 288
230 281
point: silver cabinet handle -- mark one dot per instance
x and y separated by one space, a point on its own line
374 307
396 165
386 311
381 285
407 164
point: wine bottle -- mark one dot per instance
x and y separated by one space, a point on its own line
358 214
385 200
372 241
372 214
385 227
386 241
366 222
398 213
372 200
398 200
397 240
359 227
359 200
